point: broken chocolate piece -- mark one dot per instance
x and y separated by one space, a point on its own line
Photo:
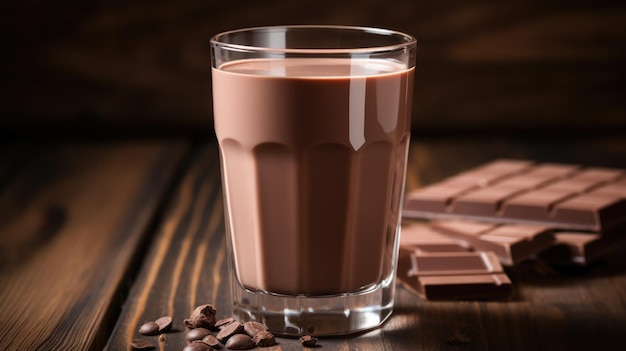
202 316
456 276
308 340
264 339
229 330
512 243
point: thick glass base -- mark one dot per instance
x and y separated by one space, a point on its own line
295 315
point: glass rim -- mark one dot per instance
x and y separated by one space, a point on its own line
408 40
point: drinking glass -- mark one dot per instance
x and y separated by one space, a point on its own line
313 125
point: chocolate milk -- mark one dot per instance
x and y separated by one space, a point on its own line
313 160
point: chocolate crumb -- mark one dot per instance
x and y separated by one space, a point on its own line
308 340
264 339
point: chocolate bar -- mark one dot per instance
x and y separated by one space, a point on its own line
512 243
554 195
456 275
438 267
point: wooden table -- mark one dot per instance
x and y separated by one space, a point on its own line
98 237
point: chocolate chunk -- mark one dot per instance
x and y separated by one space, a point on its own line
455 276
211 340
423 238
253 328
495 286
223 322
164 323
140 344
197 334
149 328
198 346
308 340
202 316
264 338
512 243
240 342
229 330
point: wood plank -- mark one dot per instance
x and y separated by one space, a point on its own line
579 309
73 221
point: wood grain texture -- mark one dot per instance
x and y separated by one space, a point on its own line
186 266
186 263
571 309
72 222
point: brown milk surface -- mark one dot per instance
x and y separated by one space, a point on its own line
313 161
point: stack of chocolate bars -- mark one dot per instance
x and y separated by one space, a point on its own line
500 214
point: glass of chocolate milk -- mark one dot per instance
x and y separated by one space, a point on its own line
313 125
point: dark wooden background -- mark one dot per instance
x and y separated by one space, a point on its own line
142 66
110 203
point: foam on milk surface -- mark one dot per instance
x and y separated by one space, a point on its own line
313 68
